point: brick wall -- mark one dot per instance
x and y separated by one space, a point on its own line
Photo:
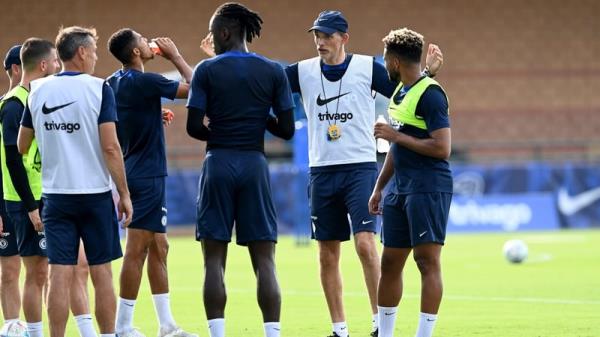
515 71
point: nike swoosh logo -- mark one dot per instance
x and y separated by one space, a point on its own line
430 320
569 205
321 102
366 222
421 235
46 110
129 305
389 313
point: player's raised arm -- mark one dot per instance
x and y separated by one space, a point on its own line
170 52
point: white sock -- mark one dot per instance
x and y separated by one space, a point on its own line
341 329
85 324
108 335
387 319
426 325
35 329
272 329
162 306
375 322
125 315
12 320
216 327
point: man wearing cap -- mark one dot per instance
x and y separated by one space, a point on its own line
337 94
10 263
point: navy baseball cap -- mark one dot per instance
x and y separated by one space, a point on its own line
13 56
330 22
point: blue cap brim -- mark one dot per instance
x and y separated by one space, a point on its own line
326 30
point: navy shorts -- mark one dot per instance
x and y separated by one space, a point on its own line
149 204
8 238
335 195
413 219
29 241
235 188
90 217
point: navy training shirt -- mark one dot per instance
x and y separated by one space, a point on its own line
237 90
414 172
381 82
12 112
140 127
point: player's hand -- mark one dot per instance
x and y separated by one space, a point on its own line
208 46
435 59
374 202
385 131
167 48
34 216
125 210
167 116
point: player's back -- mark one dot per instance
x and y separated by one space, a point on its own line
237 91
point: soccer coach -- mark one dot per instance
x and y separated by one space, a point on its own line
73 116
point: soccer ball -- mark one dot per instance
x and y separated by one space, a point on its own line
515 251
14 329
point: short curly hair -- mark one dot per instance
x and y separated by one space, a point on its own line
405 43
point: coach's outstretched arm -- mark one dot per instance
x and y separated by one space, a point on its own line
111 150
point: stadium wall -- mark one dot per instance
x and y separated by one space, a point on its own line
521 76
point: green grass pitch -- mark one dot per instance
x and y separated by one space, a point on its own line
556 292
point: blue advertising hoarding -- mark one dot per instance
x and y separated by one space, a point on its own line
503 212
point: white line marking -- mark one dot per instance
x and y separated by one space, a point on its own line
469 298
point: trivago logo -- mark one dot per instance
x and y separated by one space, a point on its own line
507 216
336 116
68 127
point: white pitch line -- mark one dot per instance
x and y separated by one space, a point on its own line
540 300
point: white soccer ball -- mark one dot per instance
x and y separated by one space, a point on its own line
515 251
14 329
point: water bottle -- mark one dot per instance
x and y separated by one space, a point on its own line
383 146
154 48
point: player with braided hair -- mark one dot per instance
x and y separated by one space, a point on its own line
247 19
234 183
